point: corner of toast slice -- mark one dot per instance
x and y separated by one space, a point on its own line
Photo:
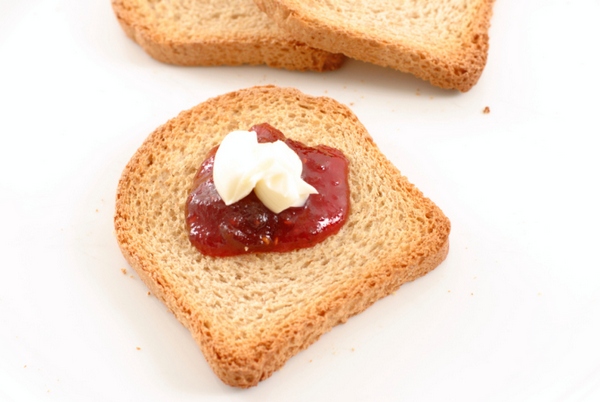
444 41
208 33
250 313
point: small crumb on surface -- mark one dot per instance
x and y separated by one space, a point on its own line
138 348
131 276
25 366
124 271
148 293
471 294
486 110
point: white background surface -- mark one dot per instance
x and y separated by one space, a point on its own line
513 314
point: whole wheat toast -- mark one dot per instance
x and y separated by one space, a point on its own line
441 41
251 313
213 32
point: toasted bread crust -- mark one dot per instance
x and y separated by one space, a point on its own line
450 54
251 313
173 35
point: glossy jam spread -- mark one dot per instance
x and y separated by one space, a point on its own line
249 226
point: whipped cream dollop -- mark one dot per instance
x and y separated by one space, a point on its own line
272 169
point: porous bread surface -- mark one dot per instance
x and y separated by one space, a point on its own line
441 41
251 313
214 32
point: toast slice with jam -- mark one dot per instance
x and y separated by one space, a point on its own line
250 313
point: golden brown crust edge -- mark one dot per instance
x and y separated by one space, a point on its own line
292 55
459 69
247 368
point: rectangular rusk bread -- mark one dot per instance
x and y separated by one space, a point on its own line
249 314
214 33
442 41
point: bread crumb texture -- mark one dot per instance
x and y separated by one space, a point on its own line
441 41
215 32
251 313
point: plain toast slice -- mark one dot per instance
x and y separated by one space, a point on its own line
441 41
251 313
213 32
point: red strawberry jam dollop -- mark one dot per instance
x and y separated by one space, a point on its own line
220 230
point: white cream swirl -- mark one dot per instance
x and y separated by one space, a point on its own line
272 169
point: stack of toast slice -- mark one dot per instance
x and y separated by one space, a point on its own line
442 41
